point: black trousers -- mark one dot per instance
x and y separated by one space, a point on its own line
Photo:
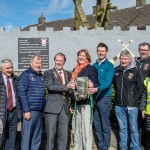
10 130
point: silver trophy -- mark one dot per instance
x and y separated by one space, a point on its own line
1 127
81 91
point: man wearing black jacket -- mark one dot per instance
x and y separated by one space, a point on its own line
143 64
10 111
127 83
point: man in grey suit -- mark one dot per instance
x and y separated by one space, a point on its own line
57 107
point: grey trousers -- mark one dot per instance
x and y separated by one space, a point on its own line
57 123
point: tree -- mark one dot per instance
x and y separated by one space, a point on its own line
80 15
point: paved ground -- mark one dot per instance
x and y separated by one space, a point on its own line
114 138
70 146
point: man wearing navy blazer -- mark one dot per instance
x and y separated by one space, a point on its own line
57 106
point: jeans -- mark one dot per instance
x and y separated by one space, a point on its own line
128 116
102 122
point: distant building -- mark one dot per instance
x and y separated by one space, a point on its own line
135 16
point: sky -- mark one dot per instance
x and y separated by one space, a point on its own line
21 13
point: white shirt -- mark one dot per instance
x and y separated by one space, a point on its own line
13 93
100 62
62 74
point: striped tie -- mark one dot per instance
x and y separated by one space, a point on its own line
10 99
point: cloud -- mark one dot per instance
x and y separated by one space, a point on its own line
57 6
54 7
65 4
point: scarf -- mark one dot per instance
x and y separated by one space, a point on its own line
77 70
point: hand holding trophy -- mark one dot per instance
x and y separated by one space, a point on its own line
71 85
91 89
90 84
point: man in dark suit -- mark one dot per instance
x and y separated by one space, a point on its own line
10 112
57 106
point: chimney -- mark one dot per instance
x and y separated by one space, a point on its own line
94 9
41 19
140 3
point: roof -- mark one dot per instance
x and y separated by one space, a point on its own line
133 16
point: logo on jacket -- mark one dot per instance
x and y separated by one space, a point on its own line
130 75
146 66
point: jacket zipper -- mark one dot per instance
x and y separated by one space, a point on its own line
141 64
40 90
122 88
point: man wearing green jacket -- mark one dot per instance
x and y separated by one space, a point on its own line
103 100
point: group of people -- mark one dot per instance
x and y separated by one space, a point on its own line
23 99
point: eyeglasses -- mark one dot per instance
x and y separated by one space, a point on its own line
144 50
